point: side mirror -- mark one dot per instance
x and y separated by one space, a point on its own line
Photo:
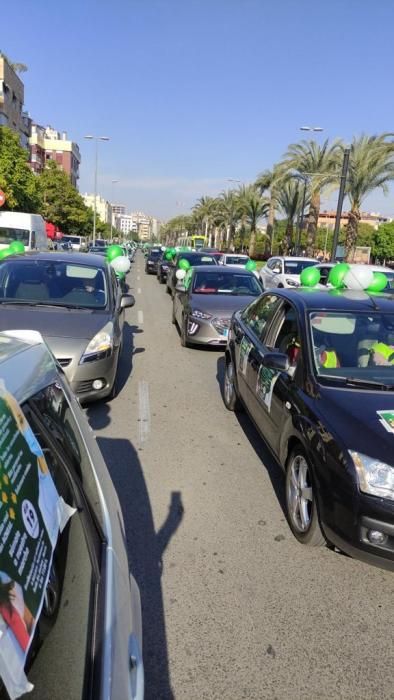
276 360
179 287
126 301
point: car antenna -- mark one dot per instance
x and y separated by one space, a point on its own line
373 302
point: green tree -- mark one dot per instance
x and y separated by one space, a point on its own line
289 201
204 212
371 167
17 181
62 204
383 242
229 212
321 165
254 208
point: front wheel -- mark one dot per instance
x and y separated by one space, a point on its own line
183 329
301 502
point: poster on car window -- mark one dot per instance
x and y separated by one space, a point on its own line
266 379
387 420
31 515
244 351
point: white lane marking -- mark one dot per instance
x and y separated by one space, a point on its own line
139 290
140 317
143 410
138 278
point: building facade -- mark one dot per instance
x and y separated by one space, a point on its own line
327 219
12 95
48 144
103 208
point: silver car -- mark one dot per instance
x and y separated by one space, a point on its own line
75 301
203 309
284 271
87 639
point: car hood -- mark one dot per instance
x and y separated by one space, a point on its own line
352 415
53 323
220 305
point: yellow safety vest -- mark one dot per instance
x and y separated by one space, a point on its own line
387 351
329 359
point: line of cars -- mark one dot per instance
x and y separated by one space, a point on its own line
314 369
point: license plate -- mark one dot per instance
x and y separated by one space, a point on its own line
225 332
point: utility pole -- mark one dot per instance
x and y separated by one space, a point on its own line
341 196
96 139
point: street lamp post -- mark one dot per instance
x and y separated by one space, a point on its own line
96 139
113 182
341 196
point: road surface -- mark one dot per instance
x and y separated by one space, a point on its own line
233 606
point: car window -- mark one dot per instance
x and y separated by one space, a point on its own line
271 263
65 627
295 267
277 266
54 282
258 314
236 283
287 335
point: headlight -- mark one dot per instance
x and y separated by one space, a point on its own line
200 314
375 477
100 346
292 283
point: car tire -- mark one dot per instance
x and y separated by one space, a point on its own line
280 286
161 279
230 396
301 502
168 290
173 319
184 342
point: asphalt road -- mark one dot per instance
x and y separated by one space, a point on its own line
233 606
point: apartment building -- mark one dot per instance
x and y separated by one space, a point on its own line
103 208
46 144
12 95
327 219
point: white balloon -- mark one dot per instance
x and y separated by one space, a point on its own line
180 274
121 264
358 277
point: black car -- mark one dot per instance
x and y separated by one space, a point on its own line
194 259
155 254
315 371
163 265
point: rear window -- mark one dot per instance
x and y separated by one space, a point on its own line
195 259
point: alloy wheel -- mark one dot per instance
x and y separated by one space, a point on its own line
300 494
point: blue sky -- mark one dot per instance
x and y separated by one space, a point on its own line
194 92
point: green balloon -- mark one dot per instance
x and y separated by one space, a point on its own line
114 251
4 253
184 264
17 248
120 275
310 277
250 265
379 283
337 274
168 255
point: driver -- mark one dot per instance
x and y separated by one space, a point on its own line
381 354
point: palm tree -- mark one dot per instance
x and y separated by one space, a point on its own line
321 164
371 166
269 180
205 210
254 208
228 213
288 200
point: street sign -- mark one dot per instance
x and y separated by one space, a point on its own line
2 198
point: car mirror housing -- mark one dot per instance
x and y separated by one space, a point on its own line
126 301
179 287
276 360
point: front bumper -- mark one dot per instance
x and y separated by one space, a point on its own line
162 273
203 332
151 268
82 376
351 533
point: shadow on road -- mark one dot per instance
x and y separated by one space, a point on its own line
273 468
145 549
128 350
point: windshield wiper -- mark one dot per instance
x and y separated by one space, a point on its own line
359 381
20 302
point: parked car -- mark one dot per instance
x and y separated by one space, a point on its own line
87 639
29 229
152 259
203 310
75 301
162 268
325 268
235 259
315 371
78 243
283 271
195 259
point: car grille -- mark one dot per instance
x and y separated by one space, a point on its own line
64 361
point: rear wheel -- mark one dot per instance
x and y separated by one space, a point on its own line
173 319
301 502
183 329
230 397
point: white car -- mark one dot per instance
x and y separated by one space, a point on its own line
325 268
235 259
284 271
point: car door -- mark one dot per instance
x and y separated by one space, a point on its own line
247 340
274 391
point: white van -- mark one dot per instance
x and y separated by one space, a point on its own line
27 228
78 243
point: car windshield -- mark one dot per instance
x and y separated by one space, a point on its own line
54 282
71 239
236 259
195 259
239 284
154 254
295 267
353 346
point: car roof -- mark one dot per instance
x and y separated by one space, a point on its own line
313 299
58 256
374 268
290 257
223 269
